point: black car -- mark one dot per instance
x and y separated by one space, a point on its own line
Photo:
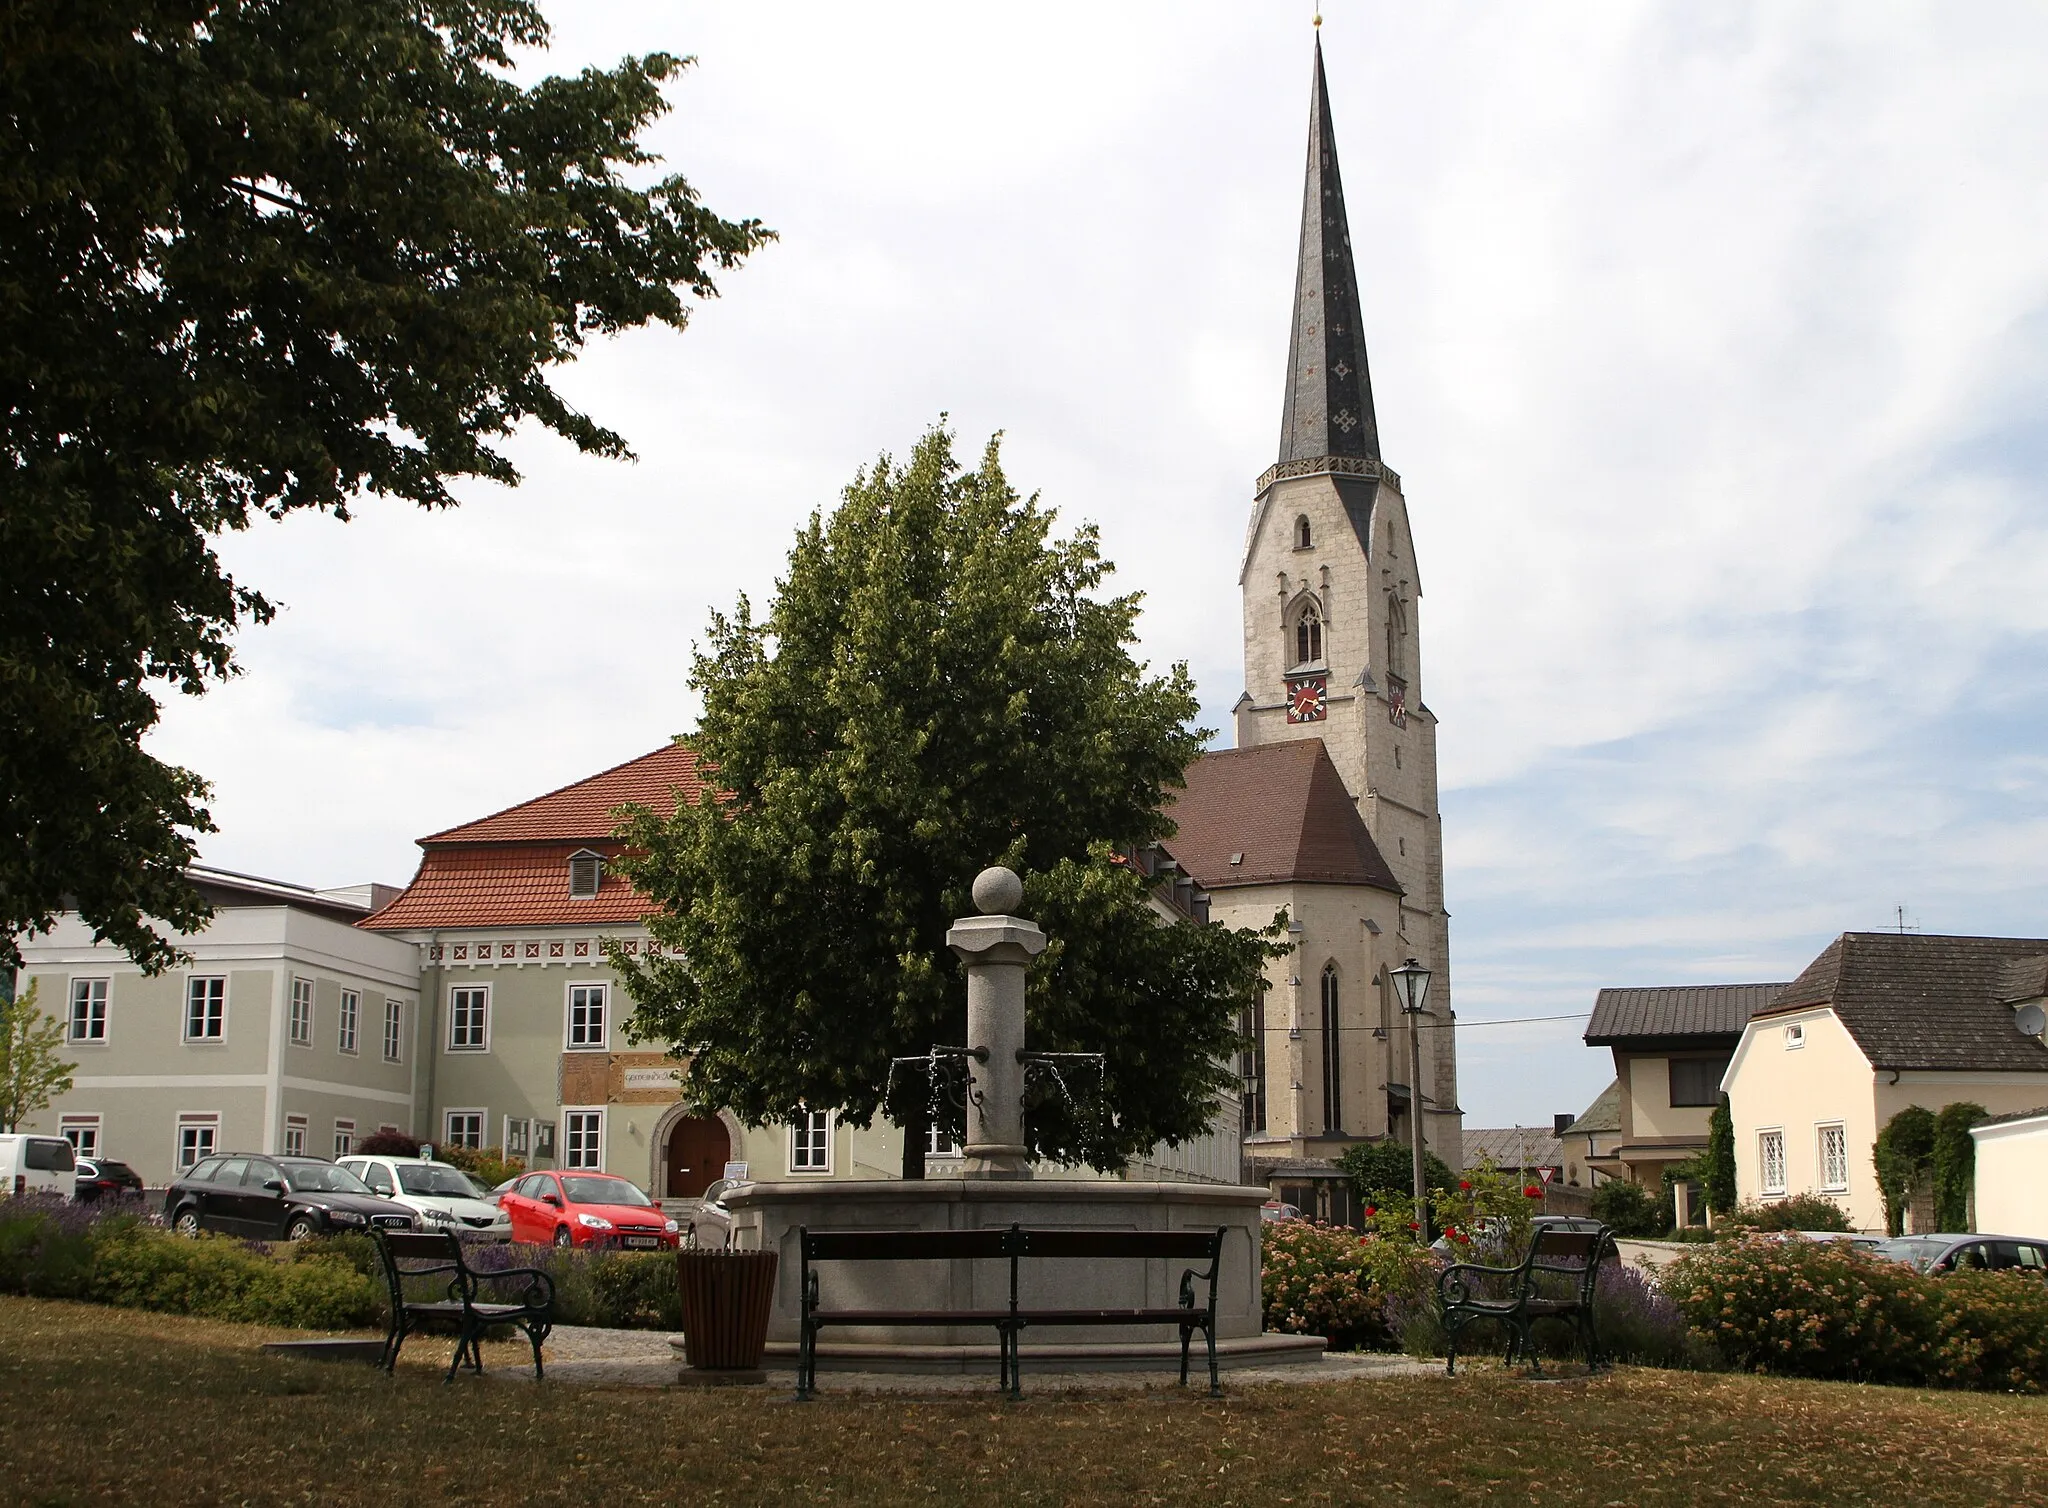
104 1178
271 1197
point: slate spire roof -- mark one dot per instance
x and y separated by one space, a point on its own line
1329 408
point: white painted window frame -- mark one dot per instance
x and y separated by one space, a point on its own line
348 1035
604 1016
78 1127
455 990
299 1030
197 1122
344 1136
394 1030
298 1126
1820 1156
103 1000
566 1137
192 982
801 1148
1795 1036
483 1124
1765 1188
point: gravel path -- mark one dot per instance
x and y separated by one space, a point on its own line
583 1356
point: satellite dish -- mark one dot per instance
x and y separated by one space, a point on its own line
2031 1020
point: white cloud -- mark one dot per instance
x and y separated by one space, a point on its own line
1710 345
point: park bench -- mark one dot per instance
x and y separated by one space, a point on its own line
464 1303
1554 1280
1011 1244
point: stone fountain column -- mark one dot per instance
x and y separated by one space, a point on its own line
996 947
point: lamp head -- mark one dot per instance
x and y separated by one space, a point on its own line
1412 979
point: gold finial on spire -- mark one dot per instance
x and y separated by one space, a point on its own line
1318 20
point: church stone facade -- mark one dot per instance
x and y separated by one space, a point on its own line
1351 841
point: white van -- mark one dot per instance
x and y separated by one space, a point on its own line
37 1165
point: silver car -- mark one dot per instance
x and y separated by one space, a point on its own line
710 1224
1968 1251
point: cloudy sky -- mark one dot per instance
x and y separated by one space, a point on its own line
1711 344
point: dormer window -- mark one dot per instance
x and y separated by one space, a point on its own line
586 874
1308 635
1304 536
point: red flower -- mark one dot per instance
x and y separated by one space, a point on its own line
1464 1187
1413 1226
1370 1212
1533 1191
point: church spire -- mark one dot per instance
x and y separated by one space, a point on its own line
1329 392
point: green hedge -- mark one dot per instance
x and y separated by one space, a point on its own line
120 1260
327 1283
1828 1309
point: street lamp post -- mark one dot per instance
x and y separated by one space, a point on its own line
1413 980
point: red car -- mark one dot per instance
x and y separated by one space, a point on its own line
587 1209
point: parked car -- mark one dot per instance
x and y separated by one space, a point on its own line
587 1209
1956 1252
1274 1211
104 1178
36 1165
710 1224
271 1197
441 1194
1839 1237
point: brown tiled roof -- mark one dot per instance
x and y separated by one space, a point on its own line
584 809
1625 1017
1917 1001
1282 810
511 869
506 885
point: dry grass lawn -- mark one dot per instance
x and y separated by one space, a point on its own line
102 1405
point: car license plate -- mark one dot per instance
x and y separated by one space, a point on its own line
643 1241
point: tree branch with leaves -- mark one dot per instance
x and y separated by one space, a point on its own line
32 1071
259 256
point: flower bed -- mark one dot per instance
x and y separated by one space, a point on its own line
1329 1281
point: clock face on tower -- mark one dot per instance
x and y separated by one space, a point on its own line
1308 699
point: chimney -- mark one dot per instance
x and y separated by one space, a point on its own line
1559 1124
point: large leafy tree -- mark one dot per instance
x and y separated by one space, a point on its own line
257 256
938 685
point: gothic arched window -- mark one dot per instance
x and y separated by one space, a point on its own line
1333 1078
1308 635
1303 535
1397 630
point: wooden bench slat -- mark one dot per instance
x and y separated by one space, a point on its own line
1171 1316
1108 1244
910 1316
904 1245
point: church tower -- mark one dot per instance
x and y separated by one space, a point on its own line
1332 597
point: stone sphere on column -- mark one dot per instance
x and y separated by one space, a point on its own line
998 891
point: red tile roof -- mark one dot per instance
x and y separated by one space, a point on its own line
584 809
511 869
1282 808
495 885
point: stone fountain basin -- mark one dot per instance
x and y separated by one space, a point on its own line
767 1216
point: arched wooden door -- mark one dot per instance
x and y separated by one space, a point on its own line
697 1151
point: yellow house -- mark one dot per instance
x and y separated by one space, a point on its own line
1879 1021
1671 1044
